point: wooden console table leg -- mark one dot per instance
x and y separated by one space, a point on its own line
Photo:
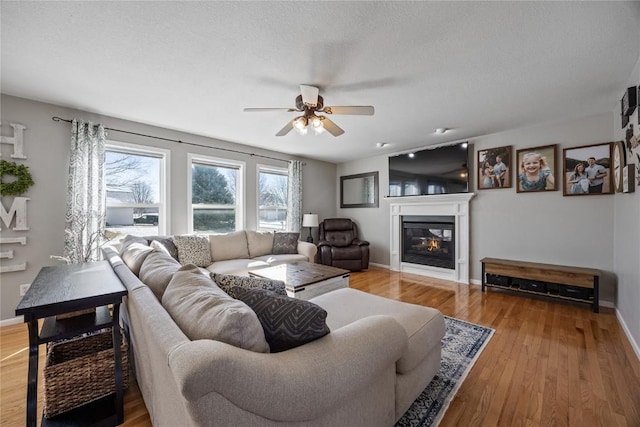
32 376
483 278
118 361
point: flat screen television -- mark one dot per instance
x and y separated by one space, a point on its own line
440 170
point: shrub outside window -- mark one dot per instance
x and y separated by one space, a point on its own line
216 194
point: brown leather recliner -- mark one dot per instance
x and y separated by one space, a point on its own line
340 247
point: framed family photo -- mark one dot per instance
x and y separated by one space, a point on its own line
494 168
536 169
587 170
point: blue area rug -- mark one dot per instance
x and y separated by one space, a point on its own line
461 346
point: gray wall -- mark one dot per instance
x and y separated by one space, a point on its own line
626 235
47 149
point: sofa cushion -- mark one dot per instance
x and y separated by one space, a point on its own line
239 267
228 282
285 243
134 254
204 311
193 250
424 325
128 240
272 260
167 243
158 269
259 243
287 322
229 246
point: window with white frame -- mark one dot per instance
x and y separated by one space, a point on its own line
136 183
273 187
216 195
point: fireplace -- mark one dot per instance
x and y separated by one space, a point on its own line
429 240
437 230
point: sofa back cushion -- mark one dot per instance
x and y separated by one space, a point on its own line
204 311
134 255
228 246
193 250
158 269
167 243
259 243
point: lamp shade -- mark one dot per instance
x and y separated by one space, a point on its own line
310 220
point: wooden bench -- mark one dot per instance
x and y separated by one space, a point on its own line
557 281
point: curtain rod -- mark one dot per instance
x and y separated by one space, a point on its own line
58 119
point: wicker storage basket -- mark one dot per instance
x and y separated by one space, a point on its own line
81 370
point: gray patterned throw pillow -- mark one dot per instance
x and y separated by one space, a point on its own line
227 282
287 322
193 250
285 243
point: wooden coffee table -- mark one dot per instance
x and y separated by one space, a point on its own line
306 280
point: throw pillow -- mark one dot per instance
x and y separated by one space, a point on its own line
158 269
287 322
193 250
204 311
259 243
229 246
134 255
227 282
285 243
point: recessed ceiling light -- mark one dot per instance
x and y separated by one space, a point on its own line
411 155
381 144
441 130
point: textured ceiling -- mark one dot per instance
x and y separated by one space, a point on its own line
474 67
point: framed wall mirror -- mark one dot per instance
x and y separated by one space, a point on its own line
359 191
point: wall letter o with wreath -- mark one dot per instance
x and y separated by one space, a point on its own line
23 178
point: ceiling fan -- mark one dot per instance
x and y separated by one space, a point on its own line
309 102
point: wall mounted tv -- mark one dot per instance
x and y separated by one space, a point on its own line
440 170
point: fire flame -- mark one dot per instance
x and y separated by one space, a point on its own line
433 245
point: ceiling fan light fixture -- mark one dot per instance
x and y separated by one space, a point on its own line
300 123
316 122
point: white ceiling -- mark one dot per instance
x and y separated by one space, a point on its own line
475 67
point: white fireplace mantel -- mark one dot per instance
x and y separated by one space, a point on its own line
456 205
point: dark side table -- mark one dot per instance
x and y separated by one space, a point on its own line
66 289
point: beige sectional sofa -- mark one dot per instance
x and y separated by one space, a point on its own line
379 355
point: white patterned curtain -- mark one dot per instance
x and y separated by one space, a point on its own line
294 200
85 193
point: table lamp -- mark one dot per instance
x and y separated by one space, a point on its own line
310 220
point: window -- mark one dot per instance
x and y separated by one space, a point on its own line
136 182
216 194
273 186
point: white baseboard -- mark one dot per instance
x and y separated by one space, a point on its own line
13 321
627 332
379 265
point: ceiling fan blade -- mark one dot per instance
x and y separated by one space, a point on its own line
331 127
309 94
261 110
361 110
286 129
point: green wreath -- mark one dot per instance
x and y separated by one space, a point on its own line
21 184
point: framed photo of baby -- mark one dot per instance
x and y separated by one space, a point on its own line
587 170
536 169
494 168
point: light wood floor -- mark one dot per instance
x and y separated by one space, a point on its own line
549 363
